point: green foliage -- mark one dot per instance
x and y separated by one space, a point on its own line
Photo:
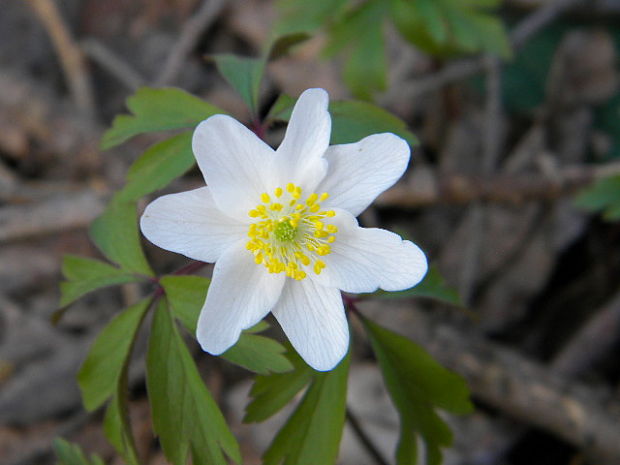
116 424
71 454
312 434
244 75
85 275
157 110
448 27
271 393
361 35
603 196
102 370
439 27
185 415
417 385
432 286
115 232
351 120
259 354
158 166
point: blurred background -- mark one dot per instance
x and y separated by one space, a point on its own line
489 195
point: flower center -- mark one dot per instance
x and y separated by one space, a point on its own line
290 234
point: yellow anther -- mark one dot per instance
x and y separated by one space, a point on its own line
290 187
331 239
276 207
323 197
265 197
311 199
318 225
332 229
254 213
278 192
315 208
330 213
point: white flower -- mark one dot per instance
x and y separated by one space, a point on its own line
280 226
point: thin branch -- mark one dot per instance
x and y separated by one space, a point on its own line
364 439
108 60
191 32
69 53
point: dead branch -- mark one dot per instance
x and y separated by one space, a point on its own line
108 60
593 341
55 214
581 414
69 53
191 32
424 187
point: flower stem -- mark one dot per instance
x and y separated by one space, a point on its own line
190 268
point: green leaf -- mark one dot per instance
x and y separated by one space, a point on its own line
417 385
432 286
352 120
186 295
244 75
115 232
360 33
158 166
449 27
312 434
156 110
71 454
305 16
271 393
259 354
118 430
185 415
603 196
88 274
100 373
281 45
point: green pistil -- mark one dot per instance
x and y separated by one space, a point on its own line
285 231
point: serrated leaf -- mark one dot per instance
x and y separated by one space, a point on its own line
312 434
85 275
71 454
271 393
157 110
352 120
244 75
259 354
432 286
115 233
417 385
185 415
100 373
158 166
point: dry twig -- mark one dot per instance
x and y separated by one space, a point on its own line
69 53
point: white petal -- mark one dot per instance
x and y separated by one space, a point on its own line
234 162
357 173
364 259
313 318
240 295
190 223
299 159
